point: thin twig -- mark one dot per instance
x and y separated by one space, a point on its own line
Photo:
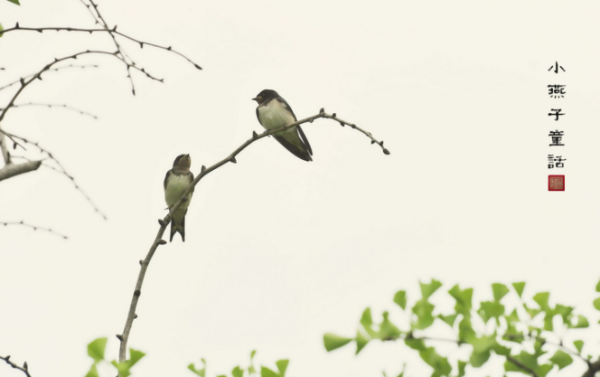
70 29
23 369
60 166
25 83
53 105
522 366
131 315
50 70
34 227
545 341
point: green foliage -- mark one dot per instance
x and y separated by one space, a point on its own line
561 359
519 287
198 372
332 341
1 33
14 2
520 325
240 372
96 351
400 299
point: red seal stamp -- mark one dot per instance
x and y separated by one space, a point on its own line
556 183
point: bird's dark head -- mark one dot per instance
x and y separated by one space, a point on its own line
182 162
265 96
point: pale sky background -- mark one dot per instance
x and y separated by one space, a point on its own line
280 251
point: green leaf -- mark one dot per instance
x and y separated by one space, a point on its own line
519 287
449 319
579 345
499 290
387 330
400 299
96 349
561 359
429 289
477 359
563 311
199 372
361 341
542 299
597 303
462 365
1 28
532 311
582 322
366 319
251 369
438 363
237 372
490 309
333 341
481 349
93 371
512 317
134 356
14 2
465 329
266 372
527 359
123 368
424 312
463 299
416 344
598 286
282 366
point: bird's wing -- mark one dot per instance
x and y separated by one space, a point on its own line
294 144
166 179
286 106
304 140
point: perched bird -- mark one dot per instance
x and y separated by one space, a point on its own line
176 181
274 112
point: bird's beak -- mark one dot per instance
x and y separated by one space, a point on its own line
255 99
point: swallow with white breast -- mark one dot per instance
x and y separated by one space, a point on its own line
274 112
176 181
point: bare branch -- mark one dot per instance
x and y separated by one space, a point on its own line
61 170
593 368
124 337
34 227
38 76
23 369
110 31
10 170
4 149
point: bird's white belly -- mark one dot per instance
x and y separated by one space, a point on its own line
176 185
275 116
